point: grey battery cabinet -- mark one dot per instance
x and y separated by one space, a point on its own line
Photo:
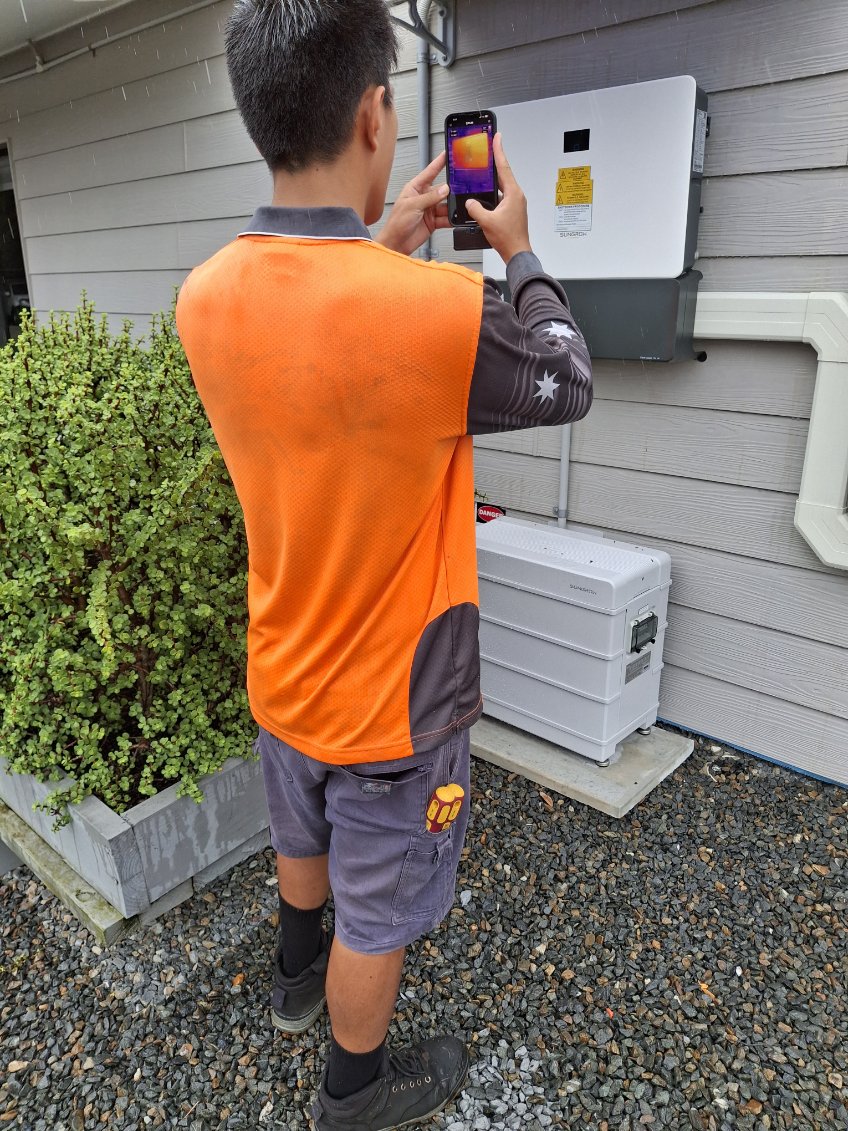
571 633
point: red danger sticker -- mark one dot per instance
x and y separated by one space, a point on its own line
486 512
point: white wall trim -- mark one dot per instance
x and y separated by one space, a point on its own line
819 319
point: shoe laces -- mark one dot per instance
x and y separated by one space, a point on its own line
411 1070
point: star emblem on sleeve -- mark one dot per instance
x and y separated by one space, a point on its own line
547 388
560 330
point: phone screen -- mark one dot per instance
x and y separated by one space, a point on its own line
471 163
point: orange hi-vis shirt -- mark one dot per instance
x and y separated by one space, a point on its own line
336 375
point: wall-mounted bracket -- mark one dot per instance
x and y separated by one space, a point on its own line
36 54
444 40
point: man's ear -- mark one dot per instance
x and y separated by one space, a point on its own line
371 115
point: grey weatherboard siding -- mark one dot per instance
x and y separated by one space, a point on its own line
132 166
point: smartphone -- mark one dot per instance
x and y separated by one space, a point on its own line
471 162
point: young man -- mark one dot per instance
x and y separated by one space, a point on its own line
344 382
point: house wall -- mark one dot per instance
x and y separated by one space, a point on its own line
131 166
130 163
704 461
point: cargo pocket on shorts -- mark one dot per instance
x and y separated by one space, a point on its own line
424 885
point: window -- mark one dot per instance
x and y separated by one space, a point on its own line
14 295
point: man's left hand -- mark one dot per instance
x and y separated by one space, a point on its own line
417 212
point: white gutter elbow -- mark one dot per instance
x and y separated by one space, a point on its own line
821 320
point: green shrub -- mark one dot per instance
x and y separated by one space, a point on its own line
122 567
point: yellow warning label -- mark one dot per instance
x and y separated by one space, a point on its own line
574 186
580 195
575 174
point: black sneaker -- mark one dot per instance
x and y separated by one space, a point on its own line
297 1002
416 1083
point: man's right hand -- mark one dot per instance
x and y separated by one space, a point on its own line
505 227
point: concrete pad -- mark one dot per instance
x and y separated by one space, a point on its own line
644 761
105 922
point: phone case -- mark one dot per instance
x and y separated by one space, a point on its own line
474 153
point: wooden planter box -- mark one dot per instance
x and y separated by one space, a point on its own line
156 854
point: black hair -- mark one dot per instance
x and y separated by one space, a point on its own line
299 68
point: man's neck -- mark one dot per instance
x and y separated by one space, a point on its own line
324 186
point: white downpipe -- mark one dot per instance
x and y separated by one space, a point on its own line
564 468
819 319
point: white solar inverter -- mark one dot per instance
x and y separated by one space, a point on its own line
571 633
613 185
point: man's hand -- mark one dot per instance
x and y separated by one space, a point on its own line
418 211
505 227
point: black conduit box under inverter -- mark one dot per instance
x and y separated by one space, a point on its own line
644 319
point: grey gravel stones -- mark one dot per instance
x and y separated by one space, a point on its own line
685 967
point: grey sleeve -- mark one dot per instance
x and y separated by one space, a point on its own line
532 365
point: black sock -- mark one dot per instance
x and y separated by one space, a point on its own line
300 937
349 1072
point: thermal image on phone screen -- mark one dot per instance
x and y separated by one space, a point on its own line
470 160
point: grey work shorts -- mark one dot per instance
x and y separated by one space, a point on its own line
392 879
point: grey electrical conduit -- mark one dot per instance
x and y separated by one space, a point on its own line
422 68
